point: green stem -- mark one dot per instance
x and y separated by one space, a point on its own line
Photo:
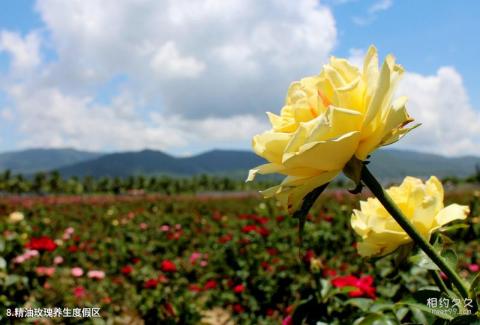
375 187
439 281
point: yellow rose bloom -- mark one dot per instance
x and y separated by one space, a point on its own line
327 119
422 205
15 217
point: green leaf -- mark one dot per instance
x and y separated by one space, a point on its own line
420 301
2 245
423 261
402 253
454 227
302 310
451 257
401 313
307 204
363 304
465 320
376 319
475 284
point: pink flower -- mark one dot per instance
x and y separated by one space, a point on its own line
143 226
178 226
203 263
474 268
19 259
30 253
165 228
195 256
69 230
44 271
58 260
96 274
287 320
76 272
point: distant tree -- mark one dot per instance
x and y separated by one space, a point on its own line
40 184
55 182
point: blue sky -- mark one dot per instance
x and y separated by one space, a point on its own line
424 35
185 77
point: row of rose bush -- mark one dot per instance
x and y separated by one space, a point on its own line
177 261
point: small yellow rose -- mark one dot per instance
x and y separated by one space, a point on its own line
327 119
421 203
15 217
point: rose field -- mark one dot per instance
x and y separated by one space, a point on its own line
213 260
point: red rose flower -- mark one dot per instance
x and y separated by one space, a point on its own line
272 251
194 288
239 288
362 286
238 309
262 231
261 220
210 284
79 292
169 309
150 284
42 243
127 269
225 238
249 228
168 266
72 248
328 272
135 260
266 266
308 256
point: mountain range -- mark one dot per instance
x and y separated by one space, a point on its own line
386 163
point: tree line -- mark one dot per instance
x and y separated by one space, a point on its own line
54 183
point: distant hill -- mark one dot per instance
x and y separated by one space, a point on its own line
150 162
388 164
32 160
396 164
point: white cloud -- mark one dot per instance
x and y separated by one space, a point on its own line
372 12
7 114
24 51
198 74
198 58
450 124
196 71
167 62
380 5
53 119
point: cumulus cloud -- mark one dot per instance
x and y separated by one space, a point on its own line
450 124
194 74
24 51
195 71
69 121
198 58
